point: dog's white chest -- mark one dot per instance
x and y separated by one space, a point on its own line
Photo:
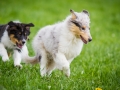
71 49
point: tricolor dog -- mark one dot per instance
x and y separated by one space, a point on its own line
57 45
13 37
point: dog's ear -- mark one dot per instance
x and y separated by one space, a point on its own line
30 25
73 14
11 23
86 12
27 26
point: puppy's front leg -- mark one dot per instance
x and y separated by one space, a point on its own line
3 53
62 63
17 58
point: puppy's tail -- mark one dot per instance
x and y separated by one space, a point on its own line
32 60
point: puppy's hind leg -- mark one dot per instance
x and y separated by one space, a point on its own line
43 63
50 67
3 53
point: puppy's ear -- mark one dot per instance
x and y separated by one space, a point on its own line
27 26
86 12
73 14
30 25
11 23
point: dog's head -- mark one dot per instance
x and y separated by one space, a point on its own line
18 33
80 25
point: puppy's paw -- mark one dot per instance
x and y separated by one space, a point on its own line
18 66
43 72
5 58
66 71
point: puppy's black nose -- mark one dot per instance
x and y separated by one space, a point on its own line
90 39
23 42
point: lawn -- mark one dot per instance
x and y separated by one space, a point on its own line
98 65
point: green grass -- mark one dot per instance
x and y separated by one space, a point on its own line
99 62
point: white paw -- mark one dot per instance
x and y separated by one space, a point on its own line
49 73
5 58
19 66
43 72
66 71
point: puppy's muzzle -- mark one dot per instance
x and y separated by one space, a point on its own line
23 42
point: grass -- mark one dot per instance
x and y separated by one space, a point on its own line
98 64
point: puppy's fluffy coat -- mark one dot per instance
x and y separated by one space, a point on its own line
13 36
59 44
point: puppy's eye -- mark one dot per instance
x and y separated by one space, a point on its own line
83 28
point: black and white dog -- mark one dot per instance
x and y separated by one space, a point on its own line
13 37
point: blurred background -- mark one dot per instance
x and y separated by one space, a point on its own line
105 15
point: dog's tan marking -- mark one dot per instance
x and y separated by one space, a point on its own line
13 39
77 32
73 14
